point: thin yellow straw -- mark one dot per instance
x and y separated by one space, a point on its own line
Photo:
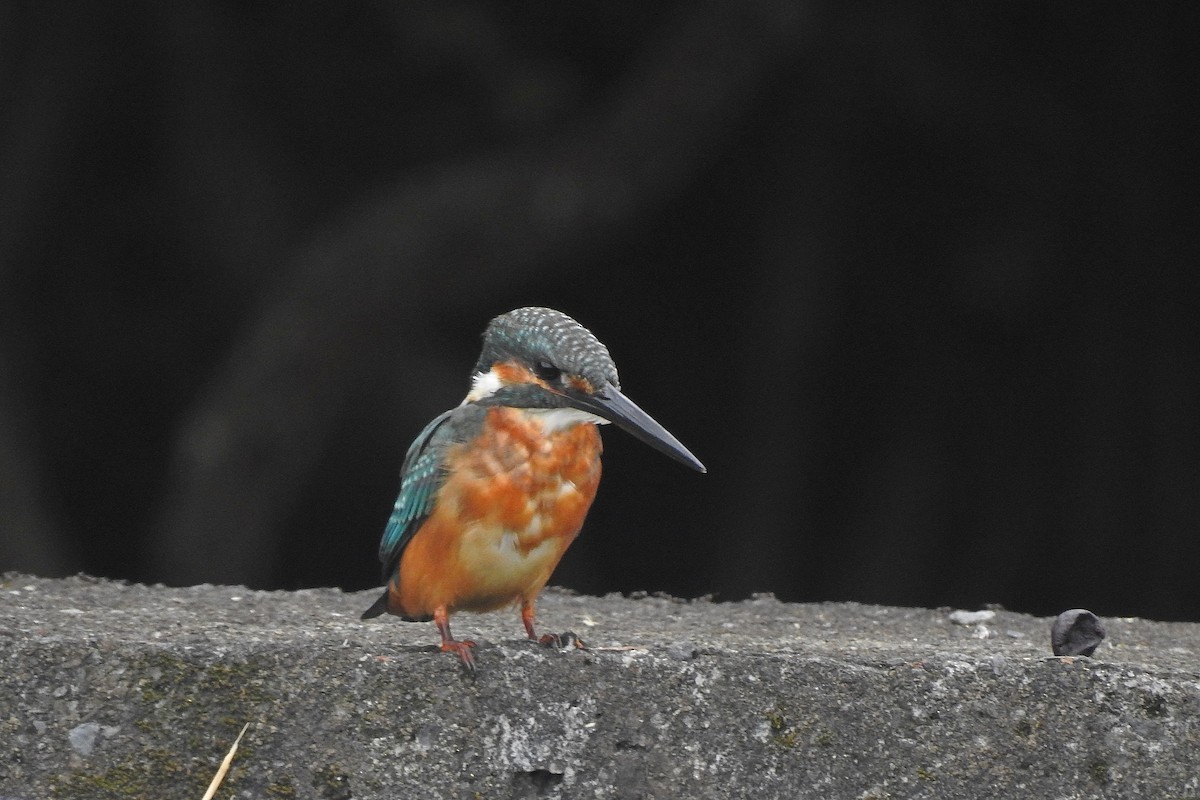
220 776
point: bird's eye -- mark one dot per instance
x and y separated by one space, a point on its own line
546 371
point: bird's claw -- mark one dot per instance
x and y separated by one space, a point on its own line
463 649
560 640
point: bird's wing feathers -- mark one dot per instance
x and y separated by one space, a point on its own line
420 478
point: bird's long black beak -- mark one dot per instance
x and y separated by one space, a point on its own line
608 402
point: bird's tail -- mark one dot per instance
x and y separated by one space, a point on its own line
377 608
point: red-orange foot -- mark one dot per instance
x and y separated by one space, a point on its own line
548 639
441 618
463 649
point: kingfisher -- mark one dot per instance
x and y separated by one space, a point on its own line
493 492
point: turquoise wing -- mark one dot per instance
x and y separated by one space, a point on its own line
421 476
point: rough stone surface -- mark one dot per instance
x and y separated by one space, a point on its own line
110 690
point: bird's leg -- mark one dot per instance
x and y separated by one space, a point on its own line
547 639
527 618
449 645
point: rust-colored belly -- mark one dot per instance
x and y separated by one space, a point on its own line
514 500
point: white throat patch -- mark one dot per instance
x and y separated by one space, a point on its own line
555 419
483 384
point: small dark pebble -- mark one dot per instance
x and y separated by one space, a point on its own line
1077 632
681 651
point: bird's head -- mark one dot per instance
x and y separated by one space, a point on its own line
543 361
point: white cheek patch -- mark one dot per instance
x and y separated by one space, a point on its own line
556 419
486 384
483 384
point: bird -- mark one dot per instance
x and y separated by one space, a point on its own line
493 491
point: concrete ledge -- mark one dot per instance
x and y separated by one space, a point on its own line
116 691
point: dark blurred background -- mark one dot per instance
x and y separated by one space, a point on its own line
917 283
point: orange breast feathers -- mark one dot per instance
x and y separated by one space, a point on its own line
513 501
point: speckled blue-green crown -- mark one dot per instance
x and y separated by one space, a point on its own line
542 334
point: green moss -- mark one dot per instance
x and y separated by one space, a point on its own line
150 695
240 682
1027 729
188 716
147 726
782 734
167 675
787 739
926 774
1099 771
154 769
284 790
332 783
